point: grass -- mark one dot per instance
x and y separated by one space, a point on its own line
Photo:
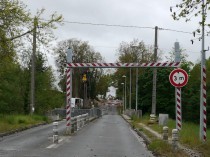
188 136
13 122
162 148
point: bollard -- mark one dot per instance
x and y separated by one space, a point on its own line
55 132
165 133
74 125
175 138
152 118
78 122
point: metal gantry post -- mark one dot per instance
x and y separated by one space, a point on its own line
203 120
178 104
68 92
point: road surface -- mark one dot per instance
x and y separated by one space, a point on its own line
109 136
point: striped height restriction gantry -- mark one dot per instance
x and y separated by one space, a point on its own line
68 97
204 103
123 65
178 109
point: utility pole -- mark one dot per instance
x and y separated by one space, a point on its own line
32 104
154 74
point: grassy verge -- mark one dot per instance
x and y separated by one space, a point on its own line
13 122
162 148
189 135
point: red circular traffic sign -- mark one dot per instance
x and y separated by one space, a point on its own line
178 77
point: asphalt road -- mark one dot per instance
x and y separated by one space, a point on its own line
108 136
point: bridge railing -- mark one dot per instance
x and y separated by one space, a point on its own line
59 113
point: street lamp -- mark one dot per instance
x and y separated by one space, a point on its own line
130 91
125 92
123 98
136 89
136 78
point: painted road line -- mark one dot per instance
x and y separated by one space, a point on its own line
54 145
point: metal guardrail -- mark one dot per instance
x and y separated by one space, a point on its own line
78 122
60 113
132 112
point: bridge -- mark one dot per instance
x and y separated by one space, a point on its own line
106 136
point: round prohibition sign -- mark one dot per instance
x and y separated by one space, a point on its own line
178 77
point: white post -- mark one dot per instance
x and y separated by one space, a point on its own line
165 133
55 132
175 138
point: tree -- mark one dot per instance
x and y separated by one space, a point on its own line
103 84
16 26
191 8
132 52
83 53
13 16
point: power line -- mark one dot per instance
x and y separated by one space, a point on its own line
123 26
173 30
108 25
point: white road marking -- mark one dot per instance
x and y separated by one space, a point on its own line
54 145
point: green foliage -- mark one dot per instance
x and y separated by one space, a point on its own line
160 147
15 37
187 9
103 84
83 53
165 96
13 122
134 51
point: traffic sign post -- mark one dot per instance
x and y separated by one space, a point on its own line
178 78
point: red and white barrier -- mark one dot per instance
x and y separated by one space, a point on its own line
123 65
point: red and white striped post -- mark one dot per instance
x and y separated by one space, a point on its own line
68 99
68 92
204 103
203 111
178 91
178 78
178 109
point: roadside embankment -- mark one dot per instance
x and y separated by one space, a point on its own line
188 144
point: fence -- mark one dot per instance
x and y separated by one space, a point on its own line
132 112
60 113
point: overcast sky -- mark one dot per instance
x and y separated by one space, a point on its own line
121 12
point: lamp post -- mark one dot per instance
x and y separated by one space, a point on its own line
136 47
123 98
125 92
136 89
130 91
